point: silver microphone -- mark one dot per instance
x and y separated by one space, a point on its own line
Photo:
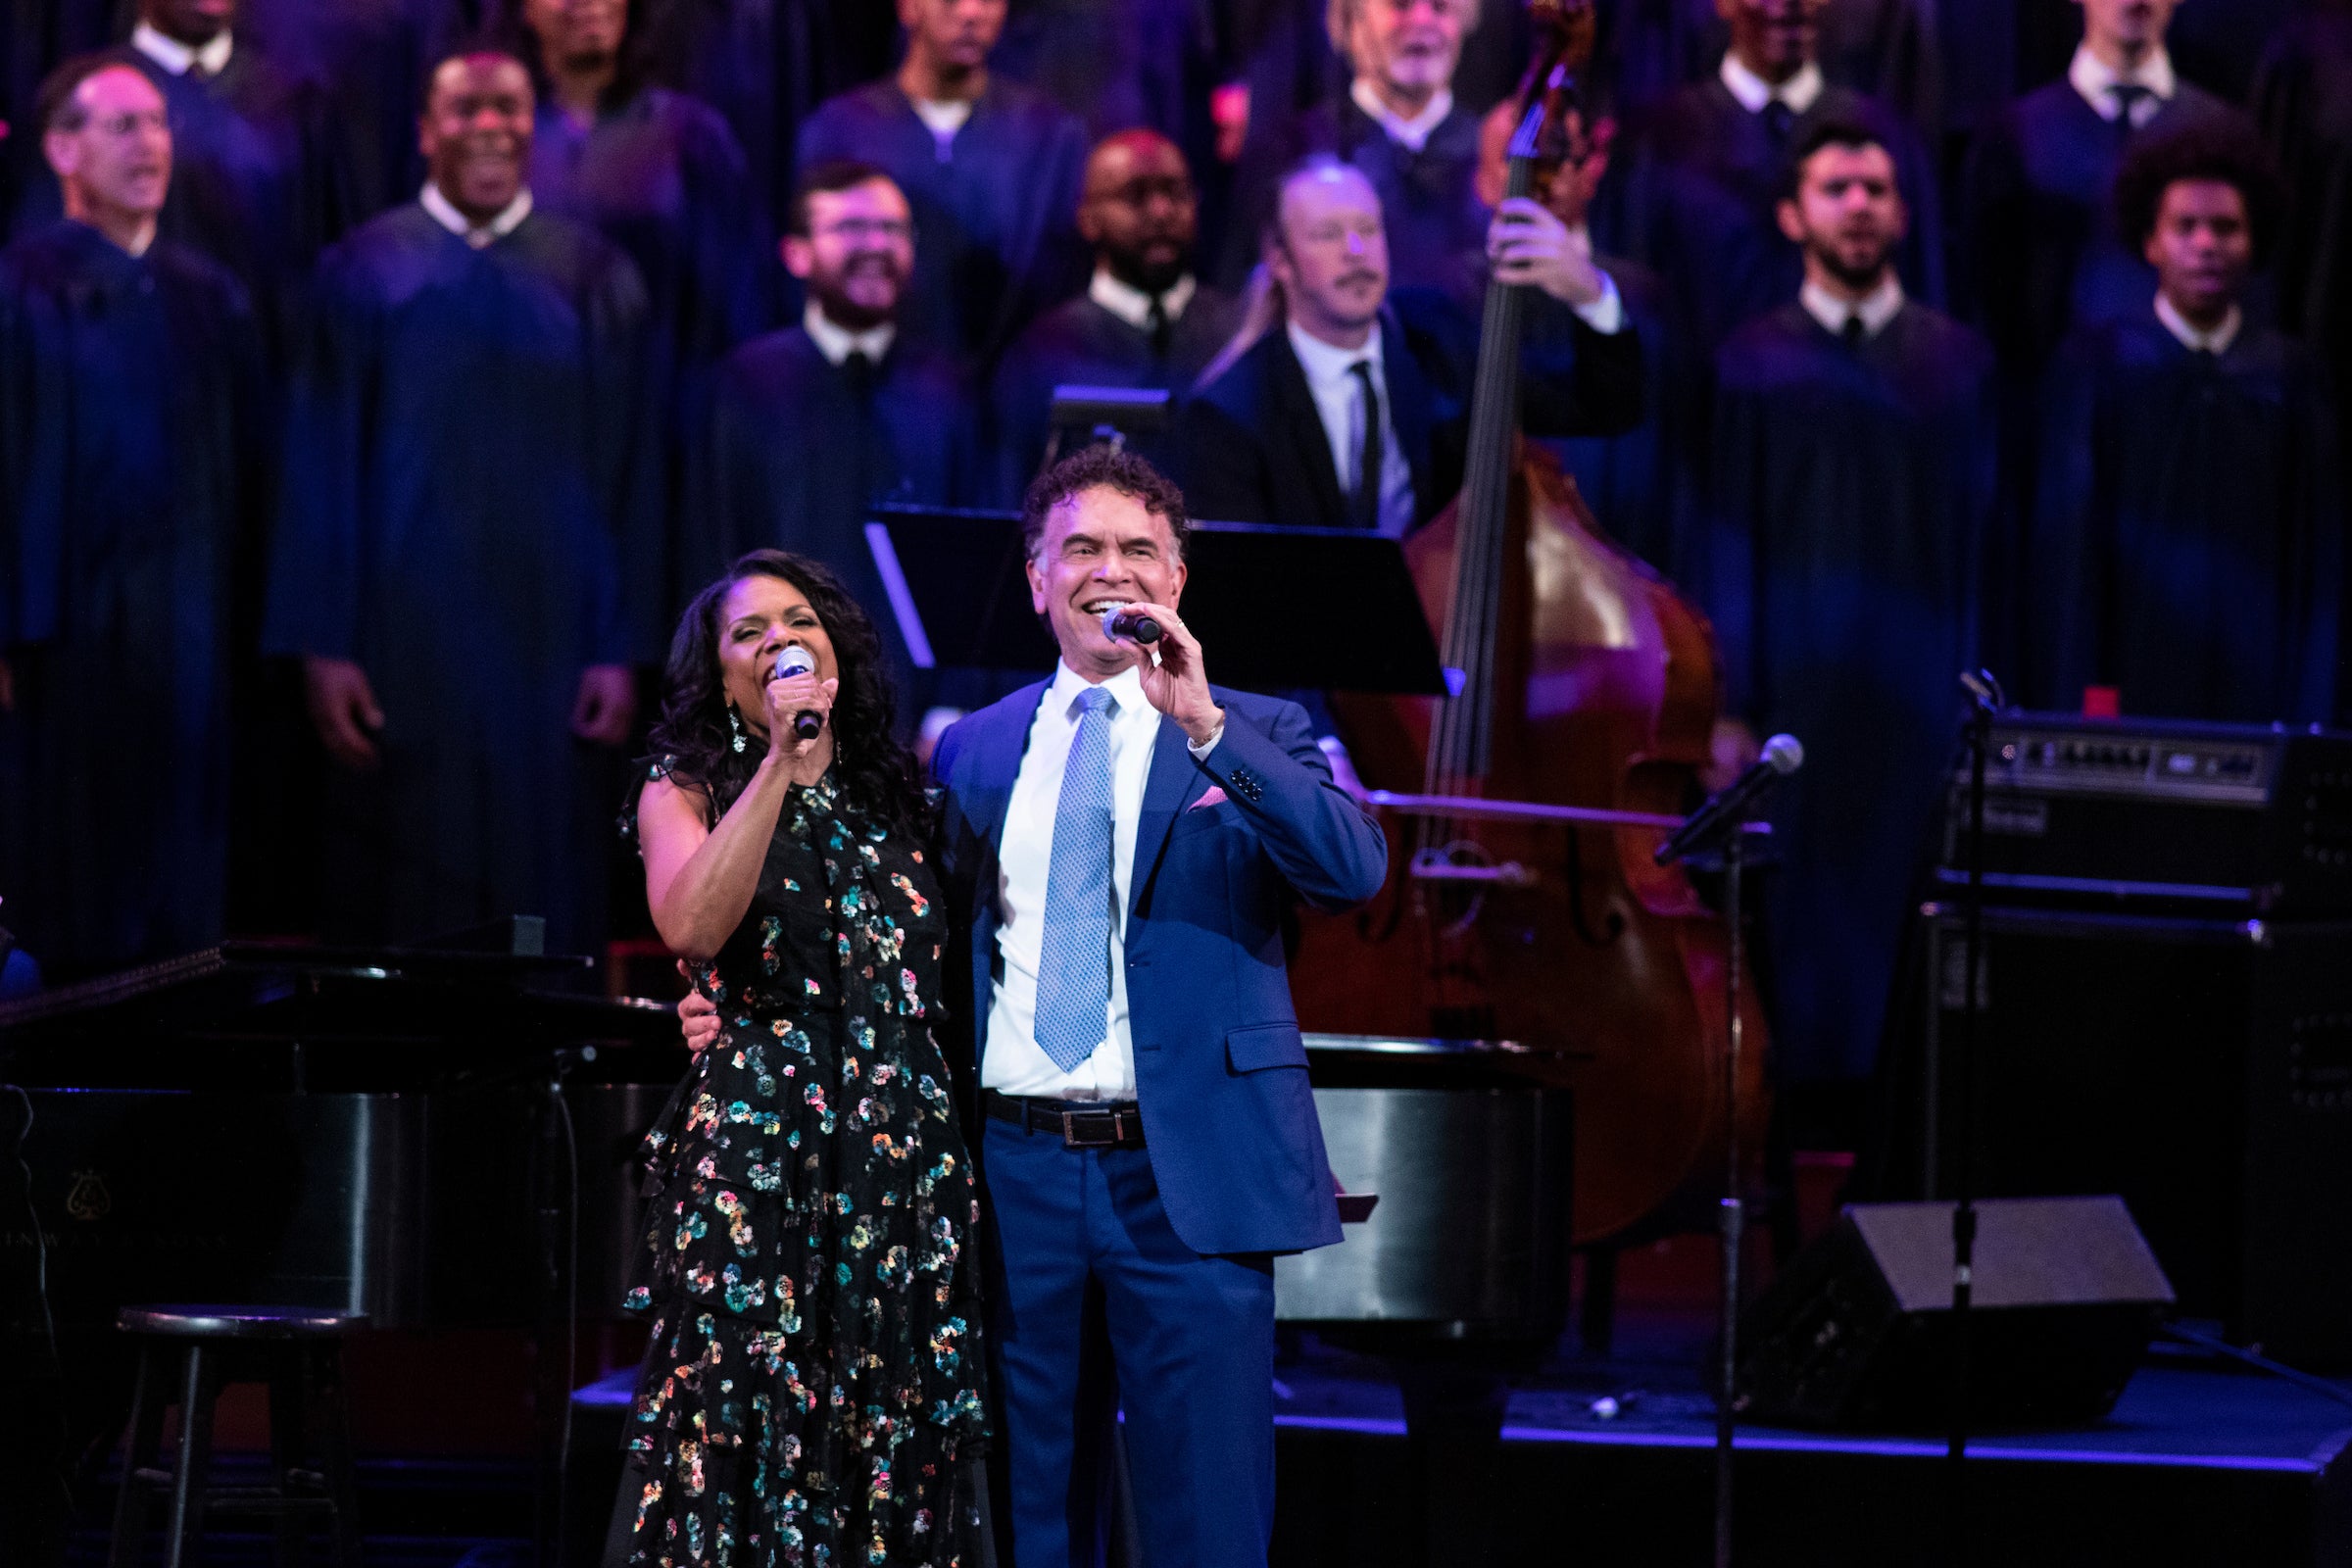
798 660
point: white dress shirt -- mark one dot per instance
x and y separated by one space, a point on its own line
176 57
478 235
1012 1063
1339 402
837 342
2194 339
1800 92
1875 309
2097 83
1411 134
943 118
1133 306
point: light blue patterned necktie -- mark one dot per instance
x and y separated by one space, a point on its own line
1073 967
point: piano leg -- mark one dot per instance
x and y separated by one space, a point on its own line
1454 1444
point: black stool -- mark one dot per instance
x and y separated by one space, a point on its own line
186 1353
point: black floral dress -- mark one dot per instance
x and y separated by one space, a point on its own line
812 1392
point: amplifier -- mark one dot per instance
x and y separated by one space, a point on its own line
2236 817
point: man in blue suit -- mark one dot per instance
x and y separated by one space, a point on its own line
1120 844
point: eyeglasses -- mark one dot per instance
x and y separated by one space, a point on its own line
125 123
868 229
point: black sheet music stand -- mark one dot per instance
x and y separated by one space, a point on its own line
959 594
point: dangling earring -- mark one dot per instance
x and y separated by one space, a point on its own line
736 725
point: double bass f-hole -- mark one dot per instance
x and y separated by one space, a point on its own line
1579 916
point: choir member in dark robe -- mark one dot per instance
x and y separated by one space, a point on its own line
1706 167
2303 101
1399 123
992 169
2187 547
467 550
658 174
1146 320
1853 484
1352 408
260 180
811 427
130 474
1891 50
2041 255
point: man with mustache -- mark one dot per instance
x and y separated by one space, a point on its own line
1705 169
469 547
2187 547
1840 559
131 471
989 169
1145 321
1352 408
811 427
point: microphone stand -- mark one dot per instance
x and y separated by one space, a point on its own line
1986 702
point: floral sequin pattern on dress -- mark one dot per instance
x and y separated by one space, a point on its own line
812 1395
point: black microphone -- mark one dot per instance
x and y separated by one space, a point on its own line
1125 620
1782 754
797 660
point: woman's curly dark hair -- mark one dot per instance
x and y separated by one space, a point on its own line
693 742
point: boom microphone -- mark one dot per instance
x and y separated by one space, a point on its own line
1125 620
1782 754
797 660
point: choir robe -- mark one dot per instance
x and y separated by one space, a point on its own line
1839 563
1436 227
2188 541
661 178
133 463
1118 64
1891 50
1699 204
468 514
2042 251
1079 343
795 455
994 212
2304 103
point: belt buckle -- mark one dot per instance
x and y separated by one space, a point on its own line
1069 1130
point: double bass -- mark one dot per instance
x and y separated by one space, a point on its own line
1581 679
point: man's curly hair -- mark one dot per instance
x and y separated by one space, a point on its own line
2225 153
1103 467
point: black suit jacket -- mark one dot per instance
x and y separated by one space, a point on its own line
1254 448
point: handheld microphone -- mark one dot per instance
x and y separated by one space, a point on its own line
1125 620
1782 754
797 660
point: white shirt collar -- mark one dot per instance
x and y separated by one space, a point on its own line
837 342
1327 365
478 235
1877 307
176 57
1413 134
1126 688
2217 341
2090 78
1131 305
1800 92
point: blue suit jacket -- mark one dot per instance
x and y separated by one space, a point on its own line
1220 1071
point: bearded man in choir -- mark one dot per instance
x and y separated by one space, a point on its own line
1352 408
1399 124
467 551
1840 560
1146 320
1707 168
991 168
2188 532
132 468
811 427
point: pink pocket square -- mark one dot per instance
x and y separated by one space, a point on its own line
1214 797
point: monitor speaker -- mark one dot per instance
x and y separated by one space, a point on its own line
1857 1332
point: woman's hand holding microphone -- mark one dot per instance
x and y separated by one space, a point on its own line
799 736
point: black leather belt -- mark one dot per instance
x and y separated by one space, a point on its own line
1079 1123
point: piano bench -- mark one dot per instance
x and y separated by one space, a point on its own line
186 1356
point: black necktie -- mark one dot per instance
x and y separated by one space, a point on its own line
2128 96
1367 472
1777 118
1855 332
859 371
1160 327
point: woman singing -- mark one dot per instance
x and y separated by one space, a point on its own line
812 1393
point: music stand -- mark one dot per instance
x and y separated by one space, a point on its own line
958 590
